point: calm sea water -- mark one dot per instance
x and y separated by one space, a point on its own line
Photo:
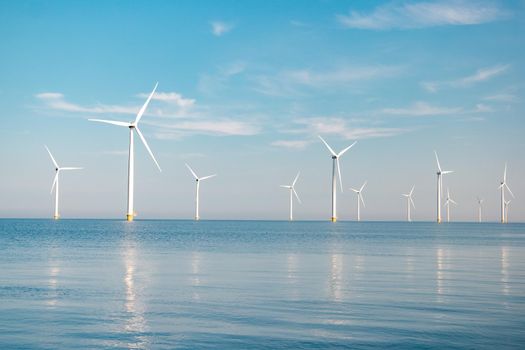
257 285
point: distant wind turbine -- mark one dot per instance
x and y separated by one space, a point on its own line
480 202
507 205
198 180
58 169
502 187
447 204
130 214
360 200
409 201
335 164
292 189
440 174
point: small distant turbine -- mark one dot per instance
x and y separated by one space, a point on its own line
507 205
502 187
198 180
292 189
359 200
440 174
447 204
480 202
409 201
56 216
335 164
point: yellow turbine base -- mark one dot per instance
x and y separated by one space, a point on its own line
129 217
56 217
333 219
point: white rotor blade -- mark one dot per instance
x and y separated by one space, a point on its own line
192 172
296 195
353 189
405 195
437 160
346 149
447 172
285 186
505 173
295 180
411 201
361 189
453 202
412 190
339 172
329 148
53 159
54 182
143 109
512 194
147 147
71 168
361 198
207 177
114 122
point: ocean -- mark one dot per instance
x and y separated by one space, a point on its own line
108 284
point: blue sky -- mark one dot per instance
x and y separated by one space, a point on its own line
244 90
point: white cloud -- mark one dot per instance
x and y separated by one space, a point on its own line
219 28
293 144
56 101
224 127
407 15
501 97
480 75
171 97
422 109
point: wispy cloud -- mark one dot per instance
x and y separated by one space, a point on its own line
293 144
57 101
408 15
171 97
479 76
421 109
501 97
219 28
223 127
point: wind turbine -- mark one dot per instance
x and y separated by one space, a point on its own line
507 204
198 180
502 188
409 201
447 204
335 164
359 200
56 216
133 126
440 174
292 189
480 202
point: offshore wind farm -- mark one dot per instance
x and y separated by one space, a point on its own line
238 219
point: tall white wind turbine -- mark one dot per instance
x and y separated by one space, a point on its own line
197 181
440 174
360 200
507 205
480 202
409 201
335 164
292 189
502 187
447 204
133 126
58 169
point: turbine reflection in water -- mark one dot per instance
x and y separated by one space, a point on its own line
336 277
195 274
505 287
54 272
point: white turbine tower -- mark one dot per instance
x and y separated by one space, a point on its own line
292 189
502 187
447 204
409 201
335 164
198 180
440 174
55 181
507 205
360 200
480 202
133 126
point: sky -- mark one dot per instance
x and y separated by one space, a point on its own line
245 88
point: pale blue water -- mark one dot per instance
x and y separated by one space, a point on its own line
89 284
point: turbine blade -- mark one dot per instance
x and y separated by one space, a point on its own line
453 202
363 186
512 194
114 122
207 177
285 186
412 190
437 160
53 159
346 149
339 172
147 147
447 172
295 180
192 172
296 195
362 201
405 195
327 146
353 189
54 182
411 201
143 109
505 173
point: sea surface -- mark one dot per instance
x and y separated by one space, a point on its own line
104 284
